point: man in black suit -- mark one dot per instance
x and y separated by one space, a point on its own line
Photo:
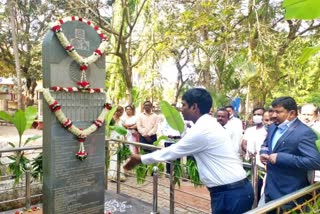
289 151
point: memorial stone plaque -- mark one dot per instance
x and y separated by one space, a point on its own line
71 185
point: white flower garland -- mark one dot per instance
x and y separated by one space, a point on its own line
83 62
83 84
67 123
57 28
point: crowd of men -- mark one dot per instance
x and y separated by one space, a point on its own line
281 139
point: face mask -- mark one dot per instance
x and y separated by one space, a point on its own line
310 123
284 123
266 127
257 119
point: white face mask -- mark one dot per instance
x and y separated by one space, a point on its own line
310 123
284 123
257 119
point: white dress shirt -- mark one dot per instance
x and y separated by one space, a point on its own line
234 126
255 138
207 142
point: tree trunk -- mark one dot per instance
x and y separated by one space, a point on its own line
16 53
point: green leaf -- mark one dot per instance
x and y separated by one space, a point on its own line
123 152
110 115
120 130
32 139
30 114
302 9
157 142
19 121
172 116
108 119
307 53
5 116
318 139
141 172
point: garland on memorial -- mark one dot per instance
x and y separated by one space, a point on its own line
81 134
83 62
79 89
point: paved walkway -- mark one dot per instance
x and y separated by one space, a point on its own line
188 199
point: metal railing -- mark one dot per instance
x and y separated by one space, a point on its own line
273 205
172 187
25 185
292 197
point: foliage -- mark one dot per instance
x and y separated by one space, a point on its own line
22 120
307 53
18 165
193 172
31 22
142 170
172 116
302 9
37 167
318 139
123 152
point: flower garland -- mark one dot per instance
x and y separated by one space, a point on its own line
79 89
83 62
81 134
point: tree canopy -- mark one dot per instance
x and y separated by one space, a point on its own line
252 49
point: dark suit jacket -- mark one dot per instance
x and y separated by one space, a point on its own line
296 154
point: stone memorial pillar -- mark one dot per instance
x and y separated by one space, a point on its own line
73 184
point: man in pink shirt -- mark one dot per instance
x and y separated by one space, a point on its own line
147 125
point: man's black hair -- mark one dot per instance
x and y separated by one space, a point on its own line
223 109
147 101
199 96
258 108
230 106
286 102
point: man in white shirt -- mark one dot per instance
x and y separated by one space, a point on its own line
235 126
223 118
219 169
254 136
309 116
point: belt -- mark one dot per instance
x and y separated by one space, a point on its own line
174 137
230 186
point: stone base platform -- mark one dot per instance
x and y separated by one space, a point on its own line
114 204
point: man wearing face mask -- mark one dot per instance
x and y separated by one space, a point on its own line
289 151
254 136
309 115
252 140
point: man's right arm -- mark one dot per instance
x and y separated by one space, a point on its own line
133 161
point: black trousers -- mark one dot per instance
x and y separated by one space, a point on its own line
144 140
168 166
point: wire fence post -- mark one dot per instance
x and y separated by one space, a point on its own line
254 179
155 191
28 189
172 187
